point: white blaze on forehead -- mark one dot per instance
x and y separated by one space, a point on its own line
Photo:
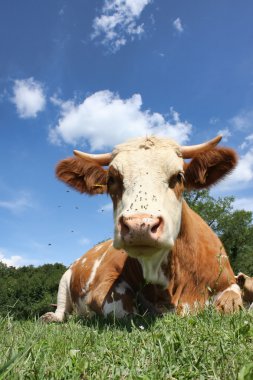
146 166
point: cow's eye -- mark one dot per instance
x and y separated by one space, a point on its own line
180 177
177 178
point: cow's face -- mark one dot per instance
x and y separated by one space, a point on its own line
146 187
146 184
145 180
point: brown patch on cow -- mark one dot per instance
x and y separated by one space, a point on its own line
115 185
84 175
209 167
198 262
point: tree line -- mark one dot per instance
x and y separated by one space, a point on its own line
28 292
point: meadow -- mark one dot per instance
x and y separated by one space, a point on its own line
203 346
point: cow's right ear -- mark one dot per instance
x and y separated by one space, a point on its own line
84 175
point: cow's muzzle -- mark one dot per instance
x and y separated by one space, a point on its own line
141 229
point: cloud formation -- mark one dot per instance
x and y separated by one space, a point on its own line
21 203
11 261
28 97
118 22
103 120
177 24
243 121
242 176
243 204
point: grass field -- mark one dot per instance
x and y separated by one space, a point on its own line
206 346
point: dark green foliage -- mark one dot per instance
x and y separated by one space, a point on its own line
234 227
27 291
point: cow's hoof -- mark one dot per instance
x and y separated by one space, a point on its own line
229 302
49 318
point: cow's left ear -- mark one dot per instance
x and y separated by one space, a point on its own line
209 167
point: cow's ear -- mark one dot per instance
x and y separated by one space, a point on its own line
84 175
240 279
209 167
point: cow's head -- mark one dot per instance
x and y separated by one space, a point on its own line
246 284
146 178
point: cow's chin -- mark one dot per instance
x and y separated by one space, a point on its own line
142 249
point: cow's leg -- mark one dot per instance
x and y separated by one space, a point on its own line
64 303
229 300
120 301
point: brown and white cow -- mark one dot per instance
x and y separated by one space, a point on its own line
163 255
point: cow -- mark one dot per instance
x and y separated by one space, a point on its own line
246 284
163 257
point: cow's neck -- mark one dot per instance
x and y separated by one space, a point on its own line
158 270
154 271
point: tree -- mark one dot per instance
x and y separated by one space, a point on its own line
28 291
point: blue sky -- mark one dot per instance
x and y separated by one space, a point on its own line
89 74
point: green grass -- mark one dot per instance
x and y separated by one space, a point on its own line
206 346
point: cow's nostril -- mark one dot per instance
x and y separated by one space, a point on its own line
156 226
124 229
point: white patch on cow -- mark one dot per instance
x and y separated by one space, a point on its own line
122 287
95 268
151 267
94 271
84 260
114 308
251 307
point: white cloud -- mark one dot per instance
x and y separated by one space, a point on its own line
118 22
29 98
177 24
12 259
17 259
243 204
225 134
242 176
103 120
248 140
19 204
243 121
